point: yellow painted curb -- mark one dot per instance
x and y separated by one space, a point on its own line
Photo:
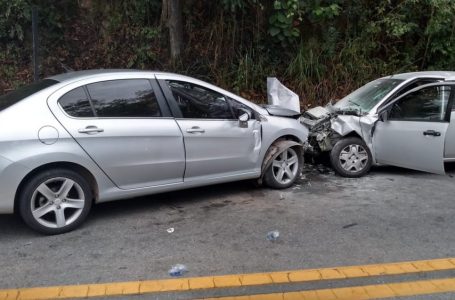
402 289
225 281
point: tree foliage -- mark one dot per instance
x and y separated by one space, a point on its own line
320 48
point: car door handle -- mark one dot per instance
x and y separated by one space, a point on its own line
91 130
432 132
195 129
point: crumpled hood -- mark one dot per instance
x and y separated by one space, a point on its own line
275 110
318 112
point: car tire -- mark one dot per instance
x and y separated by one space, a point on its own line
55 201
284 169
351 157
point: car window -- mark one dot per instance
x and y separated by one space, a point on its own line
76 103
239 109
124 98
23 92
427 104
199 102
415 84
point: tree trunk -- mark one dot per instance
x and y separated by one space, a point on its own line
174 12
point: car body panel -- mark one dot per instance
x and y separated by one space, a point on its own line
141 152
402 143
152 148
22 151
221 148
405 143
8 183
449 146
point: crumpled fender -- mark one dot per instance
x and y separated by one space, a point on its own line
276 149
343 125
363 126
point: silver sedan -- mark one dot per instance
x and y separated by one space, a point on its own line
92 136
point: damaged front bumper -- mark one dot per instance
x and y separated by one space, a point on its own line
328 125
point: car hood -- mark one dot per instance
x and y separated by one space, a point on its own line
275 110
318 112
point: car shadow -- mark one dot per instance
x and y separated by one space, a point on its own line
171 200
392 170
12 225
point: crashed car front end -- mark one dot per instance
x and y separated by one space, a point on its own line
327 125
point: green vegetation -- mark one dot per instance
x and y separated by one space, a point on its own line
322 49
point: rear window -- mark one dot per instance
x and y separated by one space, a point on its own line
133 98
76 104
23 92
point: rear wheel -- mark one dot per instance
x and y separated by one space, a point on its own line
284 170
351 157
55 201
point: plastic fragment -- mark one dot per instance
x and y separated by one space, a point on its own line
273 235
178 270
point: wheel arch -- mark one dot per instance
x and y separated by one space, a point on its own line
289 137
285 141
353 134
61 164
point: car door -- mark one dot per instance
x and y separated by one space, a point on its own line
126 130
413 133
449 151
216 144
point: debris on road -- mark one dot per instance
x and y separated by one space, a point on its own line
273 235
178 270
350 225
320 168
170 230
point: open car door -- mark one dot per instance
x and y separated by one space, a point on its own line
411 130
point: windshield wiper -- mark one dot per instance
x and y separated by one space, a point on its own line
352 102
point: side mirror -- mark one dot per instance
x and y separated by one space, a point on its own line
244 118
383 115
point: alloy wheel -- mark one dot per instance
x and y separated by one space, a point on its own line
285 166
57 202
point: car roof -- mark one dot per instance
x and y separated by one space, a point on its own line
66 78
413 75
75 75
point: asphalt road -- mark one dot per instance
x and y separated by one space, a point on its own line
324 221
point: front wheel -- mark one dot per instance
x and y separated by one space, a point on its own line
55 201
284 170
351 157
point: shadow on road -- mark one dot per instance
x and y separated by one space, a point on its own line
175 200
12 225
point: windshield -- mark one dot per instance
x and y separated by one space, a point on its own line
366 97
23 92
